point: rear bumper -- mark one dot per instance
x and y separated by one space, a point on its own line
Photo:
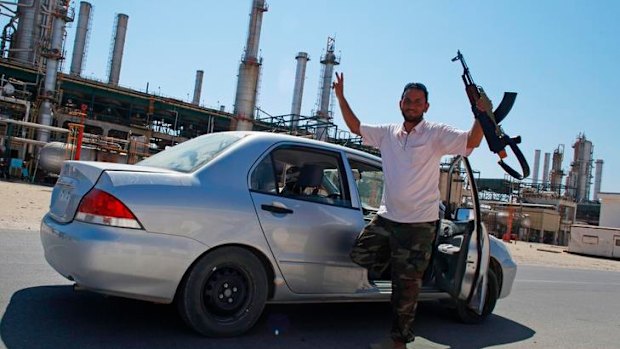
125 262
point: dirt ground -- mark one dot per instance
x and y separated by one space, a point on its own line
22 206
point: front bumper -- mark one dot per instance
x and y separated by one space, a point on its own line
502 255
118 261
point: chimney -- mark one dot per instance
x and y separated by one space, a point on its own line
536 166
117 48
249 71
598 177
298 91
545 175
198 87
81 37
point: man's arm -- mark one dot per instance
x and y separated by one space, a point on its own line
475 135
353 123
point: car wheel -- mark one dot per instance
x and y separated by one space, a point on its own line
224 293
469 316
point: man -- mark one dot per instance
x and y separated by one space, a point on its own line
402 232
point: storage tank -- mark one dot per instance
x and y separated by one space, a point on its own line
53 154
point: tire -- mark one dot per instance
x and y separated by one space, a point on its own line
224 293
469 316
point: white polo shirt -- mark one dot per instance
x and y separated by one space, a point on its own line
411 167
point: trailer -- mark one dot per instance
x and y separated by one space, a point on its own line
595 240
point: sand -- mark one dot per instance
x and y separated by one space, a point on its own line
22 206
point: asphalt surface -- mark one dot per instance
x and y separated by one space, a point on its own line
548 308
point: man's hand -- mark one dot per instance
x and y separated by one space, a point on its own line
353 123
483 103
338 86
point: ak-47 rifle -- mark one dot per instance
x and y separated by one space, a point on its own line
496 138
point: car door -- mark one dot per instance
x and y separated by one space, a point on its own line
462 213
302 199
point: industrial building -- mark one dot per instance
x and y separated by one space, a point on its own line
47 116
42 110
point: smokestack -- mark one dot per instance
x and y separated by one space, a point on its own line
329 61
81 37
117 48
59 13
597 178
298 91
545 176
536 166
198 87
249 69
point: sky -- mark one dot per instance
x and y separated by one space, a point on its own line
560 56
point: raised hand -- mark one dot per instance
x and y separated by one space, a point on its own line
338 85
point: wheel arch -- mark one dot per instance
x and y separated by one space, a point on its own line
497 269
256 252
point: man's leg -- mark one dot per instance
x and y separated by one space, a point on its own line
372 248
411 246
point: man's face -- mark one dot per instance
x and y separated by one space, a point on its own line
413 105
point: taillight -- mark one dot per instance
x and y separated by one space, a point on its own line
100 207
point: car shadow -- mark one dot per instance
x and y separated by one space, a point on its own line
58 317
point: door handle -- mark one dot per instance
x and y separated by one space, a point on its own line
276 209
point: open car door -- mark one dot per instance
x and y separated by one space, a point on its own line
462 258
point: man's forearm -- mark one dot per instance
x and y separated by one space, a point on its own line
475 135
353 123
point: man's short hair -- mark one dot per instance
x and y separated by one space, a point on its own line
415 86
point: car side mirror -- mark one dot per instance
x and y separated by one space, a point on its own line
464 214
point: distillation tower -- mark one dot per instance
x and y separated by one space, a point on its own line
323 115
580 176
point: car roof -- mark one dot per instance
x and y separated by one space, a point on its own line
281 137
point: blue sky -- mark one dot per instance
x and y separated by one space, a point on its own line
561 56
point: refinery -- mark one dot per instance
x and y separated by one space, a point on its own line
47 116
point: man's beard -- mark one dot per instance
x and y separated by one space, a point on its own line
413 118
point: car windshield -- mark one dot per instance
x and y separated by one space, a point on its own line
192 154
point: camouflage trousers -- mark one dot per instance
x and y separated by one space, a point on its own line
407 248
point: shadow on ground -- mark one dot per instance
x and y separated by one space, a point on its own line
58 317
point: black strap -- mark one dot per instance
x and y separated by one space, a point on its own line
525 168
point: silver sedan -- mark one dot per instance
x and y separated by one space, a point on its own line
224 223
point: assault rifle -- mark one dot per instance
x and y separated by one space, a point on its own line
490 120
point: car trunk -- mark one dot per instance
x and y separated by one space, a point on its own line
76 179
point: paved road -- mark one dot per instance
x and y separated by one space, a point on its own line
549 308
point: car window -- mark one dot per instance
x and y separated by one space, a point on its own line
263 177
192 154
455 187
302 173
369 179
